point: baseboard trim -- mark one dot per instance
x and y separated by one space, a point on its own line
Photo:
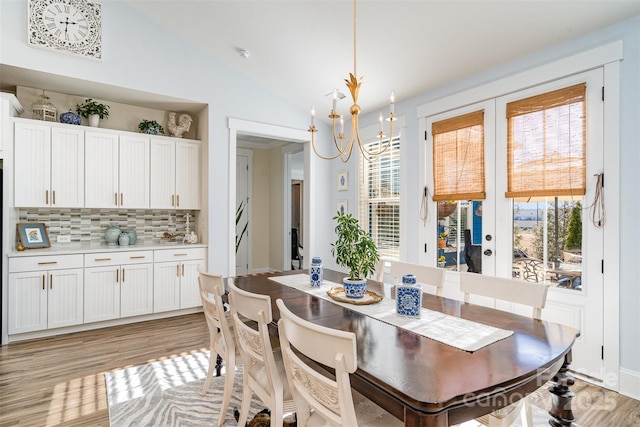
630 383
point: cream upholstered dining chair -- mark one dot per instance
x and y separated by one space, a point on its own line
221 340
425 275
323 400
263 372
530 294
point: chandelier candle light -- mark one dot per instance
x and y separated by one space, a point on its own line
344 149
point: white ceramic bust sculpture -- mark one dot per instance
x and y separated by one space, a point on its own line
183 125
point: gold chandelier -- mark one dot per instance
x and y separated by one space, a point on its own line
345 148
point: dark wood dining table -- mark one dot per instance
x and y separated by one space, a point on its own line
427 383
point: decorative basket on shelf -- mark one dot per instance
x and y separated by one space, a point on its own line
446 208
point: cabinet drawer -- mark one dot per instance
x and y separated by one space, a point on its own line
179 254
117 258
49 262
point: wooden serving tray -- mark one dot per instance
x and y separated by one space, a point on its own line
369 297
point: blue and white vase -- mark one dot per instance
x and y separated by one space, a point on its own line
409 297
316 272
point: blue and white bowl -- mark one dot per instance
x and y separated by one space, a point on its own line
354 288
70 118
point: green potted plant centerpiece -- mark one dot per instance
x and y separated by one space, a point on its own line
93 110
150 127
356 251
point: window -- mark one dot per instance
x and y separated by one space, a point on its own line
380 197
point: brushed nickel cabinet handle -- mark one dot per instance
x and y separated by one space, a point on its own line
179 254
177 270
51 281
43 282
47 262
173 200
182 270
115 199
137 257
117 271
46 197
123 275
121 199
178 200
54 197
102 259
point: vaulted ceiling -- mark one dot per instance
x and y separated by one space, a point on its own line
302 49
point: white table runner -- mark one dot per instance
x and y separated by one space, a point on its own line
459 333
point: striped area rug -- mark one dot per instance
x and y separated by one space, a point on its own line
167 393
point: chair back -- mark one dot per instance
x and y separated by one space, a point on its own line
517 291
211 291
425 275
251 314
330 347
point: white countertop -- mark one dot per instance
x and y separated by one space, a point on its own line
74 248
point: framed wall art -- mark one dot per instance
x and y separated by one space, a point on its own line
33 235
342 180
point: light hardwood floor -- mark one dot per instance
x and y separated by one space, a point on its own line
60 381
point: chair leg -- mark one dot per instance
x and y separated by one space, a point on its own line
277 412
228 389
212 366
247 394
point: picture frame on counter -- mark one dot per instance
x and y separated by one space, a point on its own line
33 235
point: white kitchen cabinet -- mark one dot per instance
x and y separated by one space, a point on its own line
117 167
45 292
176 278
118 285
9 107
49 165
175 174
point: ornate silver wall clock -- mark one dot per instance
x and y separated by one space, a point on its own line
71 26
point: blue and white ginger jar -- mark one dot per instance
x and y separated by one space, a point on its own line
409 297
70 118
316 272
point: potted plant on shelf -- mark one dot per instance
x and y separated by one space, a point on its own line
93 110
356 251
442 240
442 260
150 127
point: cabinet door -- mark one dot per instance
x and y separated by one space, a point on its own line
187 175
166 286
101 170
189 292
101 293
136 290
163 172
134 172
27 304
65 297
32 167
67 168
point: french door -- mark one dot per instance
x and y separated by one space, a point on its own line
527 239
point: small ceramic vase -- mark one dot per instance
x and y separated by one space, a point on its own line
94 120
354 289
112 234
70 118
409 297
133 236
123 240
316 272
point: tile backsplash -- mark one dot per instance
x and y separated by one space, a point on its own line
87 226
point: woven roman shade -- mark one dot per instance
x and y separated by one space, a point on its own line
458 157
546 144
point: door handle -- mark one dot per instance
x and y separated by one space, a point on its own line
488 252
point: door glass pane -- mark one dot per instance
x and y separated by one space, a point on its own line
460 235
547 243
